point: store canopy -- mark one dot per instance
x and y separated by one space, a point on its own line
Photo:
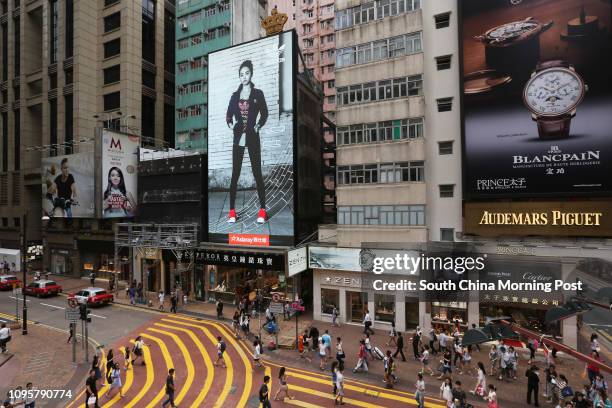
475 336
569 309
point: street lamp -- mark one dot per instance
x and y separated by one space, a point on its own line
24 258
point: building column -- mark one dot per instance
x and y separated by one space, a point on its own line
473 314
342 307
316 296
569 331
400 311
424 317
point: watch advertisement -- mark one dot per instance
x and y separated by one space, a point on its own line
537 101
250 143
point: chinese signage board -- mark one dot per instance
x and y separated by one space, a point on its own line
119 179
236 258
68 186
251 143
537 98
552 218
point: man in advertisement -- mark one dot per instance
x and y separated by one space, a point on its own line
254 118
537 97
63 191
63 179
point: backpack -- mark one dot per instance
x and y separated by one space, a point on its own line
223 346
567 392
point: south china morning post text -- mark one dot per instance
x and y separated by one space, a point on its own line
460 266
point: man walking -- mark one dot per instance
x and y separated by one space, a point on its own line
173 302
220 350
264 392
71 330
533 384
367 323
92 278
400 346
416 339
169 389
91 389
361 363
5 337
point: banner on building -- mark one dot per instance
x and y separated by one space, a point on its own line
119 174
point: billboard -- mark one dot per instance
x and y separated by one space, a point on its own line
537 98
119 179
251 143
68 186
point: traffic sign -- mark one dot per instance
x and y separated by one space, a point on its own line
72 315
276 308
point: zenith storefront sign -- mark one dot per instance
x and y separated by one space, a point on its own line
568 218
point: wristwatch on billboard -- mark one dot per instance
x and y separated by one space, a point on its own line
552 94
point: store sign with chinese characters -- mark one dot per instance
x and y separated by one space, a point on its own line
244 259
524 300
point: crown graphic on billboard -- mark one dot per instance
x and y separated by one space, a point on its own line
273 24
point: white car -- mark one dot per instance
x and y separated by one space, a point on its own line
93 296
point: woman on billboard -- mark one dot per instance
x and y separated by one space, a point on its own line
117 201
245 106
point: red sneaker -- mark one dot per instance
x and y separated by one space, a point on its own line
262 216
232 216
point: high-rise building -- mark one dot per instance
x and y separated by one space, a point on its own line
398 143
69 67
204 26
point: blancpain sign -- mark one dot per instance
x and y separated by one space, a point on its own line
558 157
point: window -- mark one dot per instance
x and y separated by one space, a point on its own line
382 215
417 171
147 123
415 85
69 28
112 48
112 101
68 123
445 147
308 42
53 31
381 131
445 104
447 234
223 31
378 173
307 28
110 2
4 52
68 76
52 81
330 298
4 222
5 137
16 222
112 74
447 190
331 84
148 30
443 62
331 99
442 20
169 41
384 308
112 22
53 125
148 79
17 139
17 40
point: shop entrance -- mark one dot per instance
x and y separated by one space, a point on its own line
356 303
150 274
412 313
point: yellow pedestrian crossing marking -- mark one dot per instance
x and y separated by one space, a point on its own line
327 395
299 403
149 381
169 365
186 358
209 367
605 334
268 372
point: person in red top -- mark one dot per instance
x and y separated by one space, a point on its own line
301 347
592 369
361 363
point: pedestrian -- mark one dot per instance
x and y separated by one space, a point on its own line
220 351
532 345
419 395
533 384
303 346
95 366
138 350
551 374
601 400
481 381
392 335
512 362
327 341
339 386
322 354
580 401
92 278
493 359
595 343
446 391
443 339
115 381
600 383
467 359
368 346
387 362
362 364
110 362
219 309
29 400
127 360
132 294
264 391
244 324
91 390
492 397
71 330
283 387
459 396
416 339
313 335
504 360
111 283
425 361
236 323
5 337
170 389
445 367
592 370
367 323
257 353
335 315
161 297
173 302
458 355
340 356
432 341
400 346
334 371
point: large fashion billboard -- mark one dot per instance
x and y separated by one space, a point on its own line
537 102
251 143
68 186
119 174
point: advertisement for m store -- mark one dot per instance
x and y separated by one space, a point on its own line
119 174
251 143
537 97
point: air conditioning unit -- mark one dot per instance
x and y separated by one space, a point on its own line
227 25
184 26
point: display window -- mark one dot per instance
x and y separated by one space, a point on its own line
384 308
234 283
449 313
330 298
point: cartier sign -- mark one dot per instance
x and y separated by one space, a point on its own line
571 218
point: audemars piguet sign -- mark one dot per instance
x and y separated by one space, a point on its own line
572 218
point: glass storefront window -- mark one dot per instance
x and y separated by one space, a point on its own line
233 283
412 313
449 312
384 308
330 298
60 262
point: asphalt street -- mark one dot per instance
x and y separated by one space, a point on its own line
108 323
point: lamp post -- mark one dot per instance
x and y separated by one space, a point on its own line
24 258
